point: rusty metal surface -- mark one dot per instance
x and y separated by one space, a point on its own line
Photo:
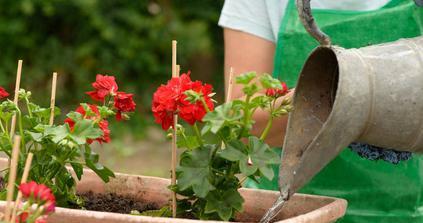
372 95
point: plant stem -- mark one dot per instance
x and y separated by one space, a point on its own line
269 122
2 127
205 104
27 107
267 129
246 115
198 134
242 181
21 128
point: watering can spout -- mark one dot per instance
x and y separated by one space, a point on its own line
326 118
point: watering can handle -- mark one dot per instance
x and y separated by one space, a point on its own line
304 11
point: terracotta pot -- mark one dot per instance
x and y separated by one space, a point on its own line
301 208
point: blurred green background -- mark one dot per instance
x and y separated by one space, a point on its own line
130 39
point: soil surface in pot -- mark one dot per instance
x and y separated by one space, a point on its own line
112 202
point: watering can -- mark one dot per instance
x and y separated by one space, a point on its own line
377 91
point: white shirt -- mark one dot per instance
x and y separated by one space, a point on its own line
262 18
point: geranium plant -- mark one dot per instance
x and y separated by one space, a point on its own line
59 147
219 150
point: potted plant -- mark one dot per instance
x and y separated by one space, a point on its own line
214 162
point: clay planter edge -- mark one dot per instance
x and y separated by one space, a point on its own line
301 208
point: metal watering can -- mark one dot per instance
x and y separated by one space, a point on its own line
372 94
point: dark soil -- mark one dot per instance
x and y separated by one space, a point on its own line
112 202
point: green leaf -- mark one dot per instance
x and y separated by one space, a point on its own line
37 137
103 172
91 161
189 142
105 111
245 78
194 170
78 169
257 156
57 133
85 129
75 116
218 118
250 90
268 81
162 212
225 203
261 101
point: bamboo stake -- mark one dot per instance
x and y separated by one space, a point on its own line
178 70
175 123
15 99
229 93
230 85
23 180
12 176
53 98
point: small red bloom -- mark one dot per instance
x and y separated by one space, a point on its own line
103 124
22 217
192 113
3 93
104 85
40 193
276 92
123 103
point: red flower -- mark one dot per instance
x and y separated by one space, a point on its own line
40 193
170 99
123 103
166 98
3 93
276 92
103 124
192 113
22 217
104 85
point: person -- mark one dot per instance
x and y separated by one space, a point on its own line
266 36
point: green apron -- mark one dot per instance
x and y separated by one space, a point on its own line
376 191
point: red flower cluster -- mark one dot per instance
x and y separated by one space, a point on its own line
170 99
3 93
23 217
106 86
40 194
276 92
103 124
123 102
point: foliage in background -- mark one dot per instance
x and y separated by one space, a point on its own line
126 38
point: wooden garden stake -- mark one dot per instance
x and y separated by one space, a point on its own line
12 176
15 99
229 92
175 123
178 70
23 180
53 98
230 85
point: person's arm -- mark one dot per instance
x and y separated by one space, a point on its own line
246 52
